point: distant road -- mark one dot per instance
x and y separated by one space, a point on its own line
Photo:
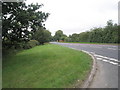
107 61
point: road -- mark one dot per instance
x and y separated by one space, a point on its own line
107 63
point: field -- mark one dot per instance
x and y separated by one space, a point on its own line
46 66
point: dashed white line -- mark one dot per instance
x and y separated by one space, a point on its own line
107 59
113 63
92 53
112 59
95 47
104 58
99 58
112 48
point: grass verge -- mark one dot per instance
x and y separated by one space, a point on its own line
46 66
94 43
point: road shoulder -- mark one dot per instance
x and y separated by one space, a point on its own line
90 77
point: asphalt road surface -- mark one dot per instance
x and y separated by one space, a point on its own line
107 63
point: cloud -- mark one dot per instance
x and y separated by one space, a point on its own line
78 15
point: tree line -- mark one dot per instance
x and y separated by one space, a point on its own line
23 27
108 34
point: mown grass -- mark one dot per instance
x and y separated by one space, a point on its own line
93 43
46 66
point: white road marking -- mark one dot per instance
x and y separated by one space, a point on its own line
85 51
95 46
104 58
112 59
107 59
113 63
92 52
112 48
99 58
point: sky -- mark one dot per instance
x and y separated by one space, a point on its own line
76 16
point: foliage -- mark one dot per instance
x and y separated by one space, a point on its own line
20 21
59 36
31 44
42 35
108 34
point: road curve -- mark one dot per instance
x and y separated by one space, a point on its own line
107 63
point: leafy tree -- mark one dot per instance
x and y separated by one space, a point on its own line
108 34
75 37
42 35
58 35
63 37
20 21
84 37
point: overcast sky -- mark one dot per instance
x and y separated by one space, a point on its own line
75 16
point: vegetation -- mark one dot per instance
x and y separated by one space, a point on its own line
42 36
31 44
94 43
42 67
49 65
20 22
108 34
59 36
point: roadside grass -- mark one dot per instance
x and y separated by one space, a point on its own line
94 43
46 66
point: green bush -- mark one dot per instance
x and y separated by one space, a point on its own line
12 48
30 44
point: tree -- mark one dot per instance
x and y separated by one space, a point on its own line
84 37
20 21
58 35
108 34
42 35
63 37
74 37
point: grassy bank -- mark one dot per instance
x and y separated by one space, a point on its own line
94 43
46 66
